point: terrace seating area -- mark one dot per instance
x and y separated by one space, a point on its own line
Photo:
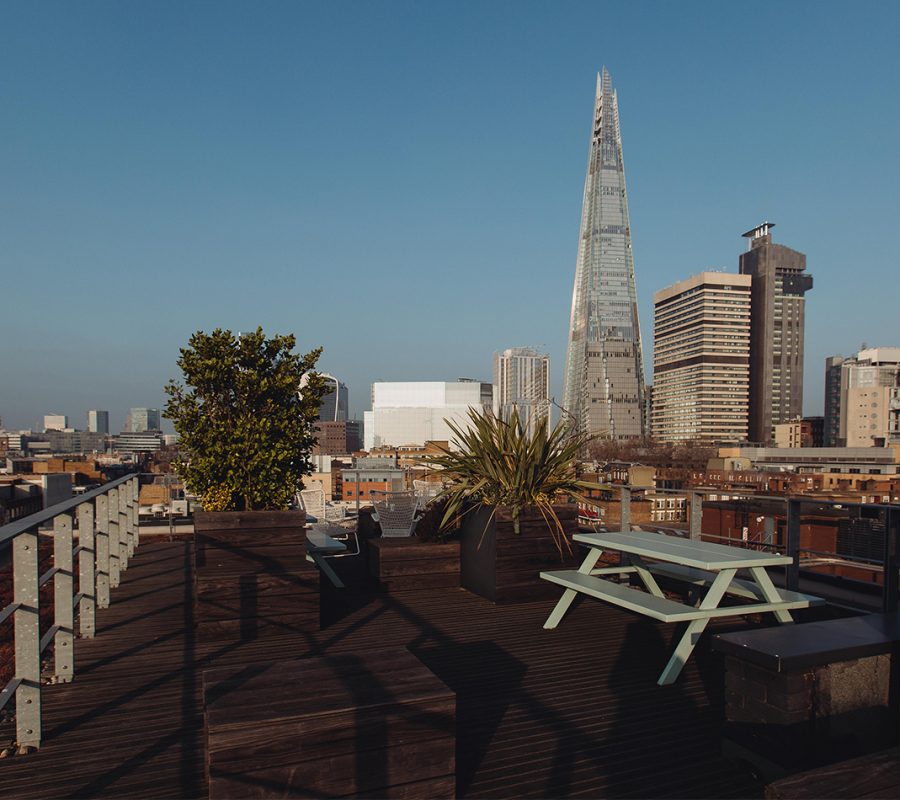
565 713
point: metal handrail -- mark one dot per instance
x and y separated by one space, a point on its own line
13 529
107 526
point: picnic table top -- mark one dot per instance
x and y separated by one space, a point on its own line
690 552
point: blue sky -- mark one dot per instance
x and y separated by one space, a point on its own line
401 182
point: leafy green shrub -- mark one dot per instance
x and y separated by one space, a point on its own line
245 426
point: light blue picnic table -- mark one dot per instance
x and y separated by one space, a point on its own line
702 564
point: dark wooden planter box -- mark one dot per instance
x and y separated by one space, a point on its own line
410 564
252 577
352 725
504 567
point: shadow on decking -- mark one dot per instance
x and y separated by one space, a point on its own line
564 713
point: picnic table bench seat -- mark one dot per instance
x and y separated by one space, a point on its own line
662 608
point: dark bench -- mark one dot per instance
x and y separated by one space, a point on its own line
791 647
806 695
876 775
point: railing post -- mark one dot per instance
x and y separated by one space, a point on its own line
115 546
625 505
696 515
124 528
891 560
769 526
135 508
63 598
101 516
792 570
87 581
27 639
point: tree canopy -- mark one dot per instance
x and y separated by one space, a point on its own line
244 415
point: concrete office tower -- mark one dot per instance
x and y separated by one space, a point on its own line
97 421
143 419
415 412
334 404
522 381
604 376
832 425
870 398
778 289
701 359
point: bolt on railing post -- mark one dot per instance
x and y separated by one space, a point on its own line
696 515
792 570
63 598
124 529
891 561
626 508
27 639
115 546
86 577
101 517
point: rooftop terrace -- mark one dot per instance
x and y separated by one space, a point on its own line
574 711
565 713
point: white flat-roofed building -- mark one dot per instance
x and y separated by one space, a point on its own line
55 422
415 412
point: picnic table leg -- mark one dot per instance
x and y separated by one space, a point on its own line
559 611
695 627
646 576
770 592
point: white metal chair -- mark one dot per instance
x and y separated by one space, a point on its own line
312 501
395 512
426 491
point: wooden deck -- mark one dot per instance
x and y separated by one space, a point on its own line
565 713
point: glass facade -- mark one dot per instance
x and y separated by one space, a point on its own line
604 378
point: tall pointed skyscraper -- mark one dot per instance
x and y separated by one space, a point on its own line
604 382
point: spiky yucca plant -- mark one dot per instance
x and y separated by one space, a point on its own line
498 463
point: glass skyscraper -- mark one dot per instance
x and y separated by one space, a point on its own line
604 380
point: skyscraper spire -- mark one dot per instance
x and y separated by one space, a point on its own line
604 380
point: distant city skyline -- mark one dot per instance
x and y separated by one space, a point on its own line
403 188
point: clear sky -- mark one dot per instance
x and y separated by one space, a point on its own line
401 182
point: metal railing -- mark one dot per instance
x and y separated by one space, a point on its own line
784 537
105 521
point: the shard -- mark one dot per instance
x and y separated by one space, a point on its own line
604 381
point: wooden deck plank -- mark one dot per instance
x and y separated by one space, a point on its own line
573 712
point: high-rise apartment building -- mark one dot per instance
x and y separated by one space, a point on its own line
415 412
97 421
604 377
832 425
701 359
143 419
334 404
870 398
522 381
778 289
